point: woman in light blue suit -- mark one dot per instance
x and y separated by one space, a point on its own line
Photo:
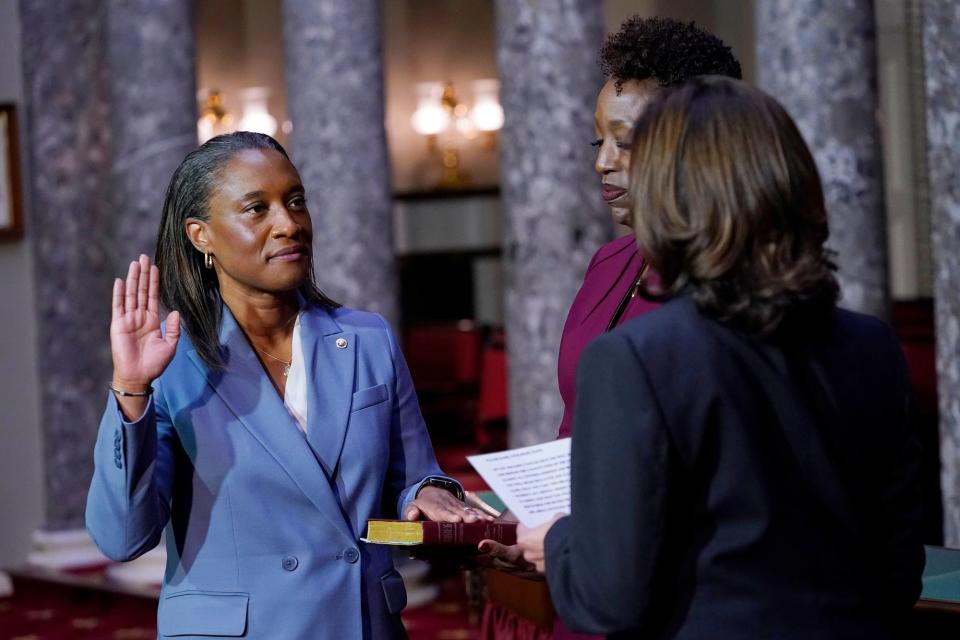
262 440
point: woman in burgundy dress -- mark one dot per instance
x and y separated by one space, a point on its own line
643 56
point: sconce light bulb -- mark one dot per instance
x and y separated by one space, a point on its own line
487 115
204 130
255 115
430 119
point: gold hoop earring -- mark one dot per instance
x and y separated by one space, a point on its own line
208 260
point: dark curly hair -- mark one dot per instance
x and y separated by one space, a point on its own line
730 209
664 50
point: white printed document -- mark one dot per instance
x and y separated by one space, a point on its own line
534 482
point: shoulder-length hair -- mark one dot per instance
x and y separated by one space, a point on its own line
185 284
729 208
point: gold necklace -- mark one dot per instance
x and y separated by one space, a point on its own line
286 363
635 289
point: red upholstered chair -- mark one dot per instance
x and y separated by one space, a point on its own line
493 411
444 361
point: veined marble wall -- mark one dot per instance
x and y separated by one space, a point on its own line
154 121
100 156
334 76
819 59
554 218
67 98
941 62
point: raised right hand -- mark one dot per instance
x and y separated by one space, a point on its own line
140 352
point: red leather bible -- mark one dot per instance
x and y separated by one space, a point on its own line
425 532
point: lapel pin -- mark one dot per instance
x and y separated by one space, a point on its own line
341 343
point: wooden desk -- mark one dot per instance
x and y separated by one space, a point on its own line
936 614
529 599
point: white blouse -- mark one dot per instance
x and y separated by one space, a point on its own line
295 392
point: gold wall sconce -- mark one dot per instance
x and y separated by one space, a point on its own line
216 119
448 123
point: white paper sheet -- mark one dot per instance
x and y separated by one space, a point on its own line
534 482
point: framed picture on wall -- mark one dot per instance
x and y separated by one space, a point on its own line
11 214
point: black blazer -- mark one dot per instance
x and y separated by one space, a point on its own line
728 487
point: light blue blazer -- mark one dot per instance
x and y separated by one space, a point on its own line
263 526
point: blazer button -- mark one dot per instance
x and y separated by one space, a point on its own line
290 563
351 555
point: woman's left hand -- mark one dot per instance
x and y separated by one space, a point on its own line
434 503
530 542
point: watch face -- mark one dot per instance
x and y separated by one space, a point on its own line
447 485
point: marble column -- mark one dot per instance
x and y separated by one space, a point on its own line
554 218
334 77
150 49
96 179
819 59
67 103
941 24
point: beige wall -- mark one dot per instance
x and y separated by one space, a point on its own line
21 458
240 44
435 40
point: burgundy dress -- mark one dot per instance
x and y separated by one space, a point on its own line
612 272
610 276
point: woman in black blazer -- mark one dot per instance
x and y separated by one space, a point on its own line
743 462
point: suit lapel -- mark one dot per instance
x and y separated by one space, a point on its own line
610 266
247 391
330 357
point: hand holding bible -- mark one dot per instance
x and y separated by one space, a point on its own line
530 542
